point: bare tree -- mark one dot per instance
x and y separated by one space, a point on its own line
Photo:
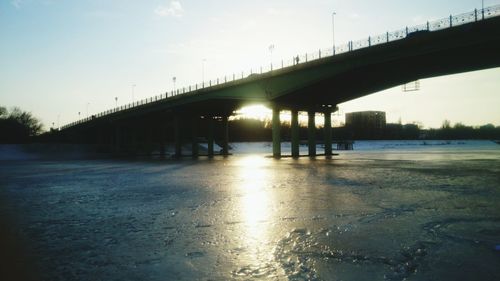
26 119
17 125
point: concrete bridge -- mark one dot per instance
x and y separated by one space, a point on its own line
314 83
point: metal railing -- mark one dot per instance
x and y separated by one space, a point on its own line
451 21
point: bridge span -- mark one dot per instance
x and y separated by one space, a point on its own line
314 83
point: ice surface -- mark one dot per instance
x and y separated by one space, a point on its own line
386 211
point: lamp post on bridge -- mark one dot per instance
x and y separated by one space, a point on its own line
133 87
271 49
482 9
333 31
203 69
174 79
116 101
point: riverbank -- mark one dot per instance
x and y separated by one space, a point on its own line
11 152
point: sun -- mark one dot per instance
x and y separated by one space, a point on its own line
258 112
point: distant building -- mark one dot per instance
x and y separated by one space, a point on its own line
365 124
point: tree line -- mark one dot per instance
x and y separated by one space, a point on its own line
256 130
461 131
18 126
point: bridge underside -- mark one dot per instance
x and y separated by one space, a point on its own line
464 48
315 86
370 79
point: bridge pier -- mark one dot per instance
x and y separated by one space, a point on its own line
108 133
194 137
311 128
328 131
118 140
225 135
210 136
102 137
177 136
295 133
162 136
148 141
276 132
133 135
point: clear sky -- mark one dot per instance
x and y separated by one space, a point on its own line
58 58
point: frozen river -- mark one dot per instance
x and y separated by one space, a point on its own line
385 211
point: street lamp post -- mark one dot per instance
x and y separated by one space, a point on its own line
133 87
79 115
482 8
116 101
333 31
271 49
203 69
174 79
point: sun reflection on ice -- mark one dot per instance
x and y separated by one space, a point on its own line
256 208
255 199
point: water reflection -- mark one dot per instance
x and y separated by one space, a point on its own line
256 212
255 199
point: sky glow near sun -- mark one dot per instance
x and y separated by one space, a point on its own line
263 113
258 112
63 58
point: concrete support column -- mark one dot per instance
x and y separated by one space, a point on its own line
134 134
276 133
102 136
311 132
149 140
328 131
194 136
162 136
210 136
118 139
295 133
109 138
225 135
177 136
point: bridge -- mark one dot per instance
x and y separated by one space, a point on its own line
314 82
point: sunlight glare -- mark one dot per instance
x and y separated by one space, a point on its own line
255 199
258 112
262 113
256 212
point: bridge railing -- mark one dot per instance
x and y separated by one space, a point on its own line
469 17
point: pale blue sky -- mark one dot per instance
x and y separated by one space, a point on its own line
58 56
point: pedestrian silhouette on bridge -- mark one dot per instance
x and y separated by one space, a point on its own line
297 59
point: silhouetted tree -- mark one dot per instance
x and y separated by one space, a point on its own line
446 131
461 131
18 126
249 130
410 132
446 124
489 131
3 112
